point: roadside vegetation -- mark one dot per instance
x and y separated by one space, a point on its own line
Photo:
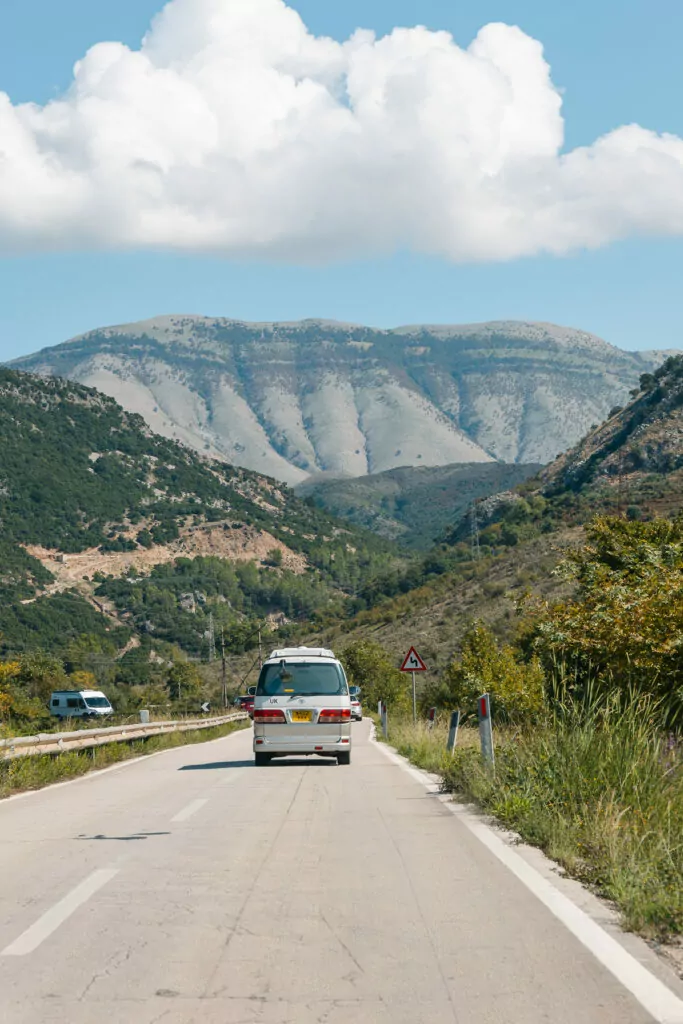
587 705
36 771
170 689
599 789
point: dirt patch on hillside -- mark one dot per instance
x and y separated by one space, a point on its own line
219 540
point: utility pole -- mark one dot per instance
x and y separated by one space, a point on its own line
223 672
474 530
212 639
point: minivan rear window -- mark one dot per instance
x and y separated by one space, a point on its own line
301 679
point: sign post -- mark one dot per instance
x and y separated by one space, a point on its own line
453 731
413 663
485 729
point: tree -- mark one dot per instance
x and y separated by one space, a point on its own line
40 674
274 558
517 688
624 628
9 672
184 681
369 666
82 681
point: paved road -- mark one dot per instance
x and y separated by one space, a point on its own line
193 887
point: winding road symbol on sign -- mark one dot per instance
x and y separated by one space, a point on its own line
413 662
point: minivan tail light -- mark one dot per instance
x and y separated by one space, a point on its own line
334 716
269 715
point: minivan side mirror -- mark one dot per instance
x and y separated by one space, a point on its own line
252 691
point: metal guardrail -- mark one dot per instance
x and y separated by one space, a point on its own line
56 742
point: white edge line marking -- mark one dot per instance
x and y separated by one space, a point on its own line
57 915
188 811
652 994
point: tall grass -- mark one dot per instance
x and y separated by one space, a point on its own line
36 771
598 788
425 746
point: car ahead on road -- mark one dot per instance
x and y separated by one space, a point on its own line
302 706
356 710
245 702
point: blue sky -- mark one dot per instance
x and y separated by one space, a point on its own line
617 63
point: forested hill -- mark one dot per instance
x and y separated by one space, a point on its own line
90 496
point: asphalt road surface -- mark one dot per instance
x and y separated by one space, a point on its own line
193 887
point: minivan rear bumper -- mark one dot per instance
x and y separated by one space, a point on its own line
299 745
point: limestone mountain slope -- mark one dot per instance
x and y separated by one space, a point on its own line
293 400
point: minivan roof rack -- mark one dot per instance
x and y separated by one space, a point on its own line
303 652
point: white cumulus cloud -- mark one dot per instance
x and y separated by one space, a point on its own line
234 130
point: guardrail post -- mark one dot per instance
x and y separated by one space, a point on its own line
453 732
485 728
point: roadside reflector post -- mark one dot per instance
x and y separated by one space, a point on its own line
453 731
385 722
485 728
431 718
379 708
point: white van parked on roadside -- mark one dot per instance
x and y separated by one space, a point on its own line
302 706
79 704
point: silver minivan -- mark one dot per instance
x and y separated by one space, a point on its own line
302 706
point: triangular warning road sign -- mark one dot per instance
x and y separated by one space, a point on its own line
413 662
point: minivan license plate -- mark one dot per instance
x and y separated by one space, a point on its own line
301 716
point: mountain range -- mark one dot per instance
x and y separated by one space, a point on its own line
295 400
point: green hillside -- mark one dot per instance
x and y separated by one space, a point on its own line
114 532
414 505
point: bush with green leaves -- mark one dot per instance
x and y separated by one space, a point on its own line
624 628
484 665
369 666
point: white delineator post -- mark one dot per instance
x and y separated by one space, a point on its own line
485 728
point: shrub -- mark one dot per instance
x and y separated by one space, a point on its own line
369 666
624 628
485 666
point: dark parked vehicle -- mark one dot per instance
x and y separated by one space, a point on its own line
245 702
